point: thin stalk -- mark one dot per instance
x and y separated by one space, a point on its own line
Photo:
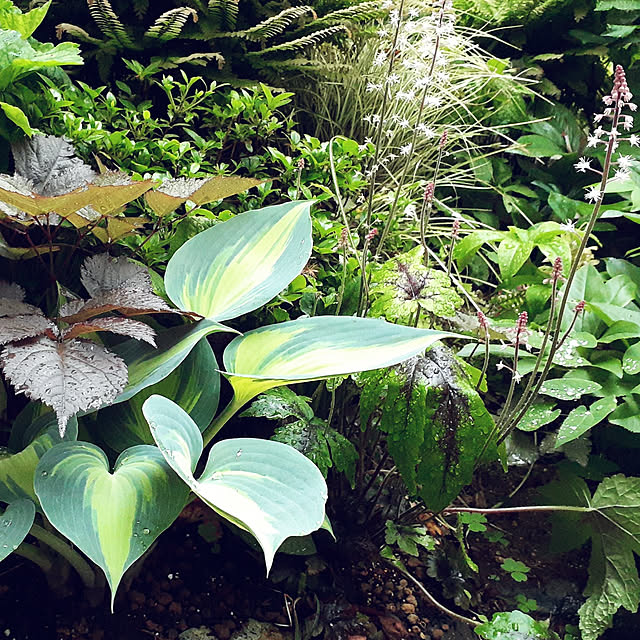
485 362
221 419
431 599
336 187
509 510
86 573
35 555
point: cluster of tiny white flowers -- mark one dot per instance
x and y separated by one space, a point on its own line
619 99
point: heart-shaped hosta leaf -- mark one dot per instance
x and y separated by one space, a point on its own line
319 347
17 470
148 365
239 265
194 385
264 487
111 517
68 376
15 524
172 193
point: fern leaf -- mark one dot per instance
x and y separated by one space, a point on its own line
75 32
275 25
140 7
363 12
224 13
107 20
169 25
299 44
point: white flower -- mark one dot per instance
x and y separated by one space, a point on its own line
393 78
373 86
582 165
593 194
404 123
627 123
414 13
517 377
382 33
501 365
380 59
426 131
569 226
592 141
634 140
621 174
624 162
406 149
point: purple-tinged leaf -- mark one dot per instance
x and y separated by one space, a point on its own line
15 328
172 193
102 273
11 290
50 164
71 308
121 326
68 376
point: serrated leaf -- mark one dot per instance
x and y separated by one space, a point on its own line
176 191
278 404
613 577
24 23
15 524
264 487
15 328
514 625
101 273
113 517
436 423
581 419
68 376
568 388
403 285
122 326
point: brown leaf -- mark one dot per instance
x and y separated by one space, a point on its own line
121 326
15 328
67 376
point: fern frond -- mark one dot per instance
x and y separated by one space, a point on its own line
169 25
75 32
195 58
140 7
363 12
275 25
224 13
107 20
302 43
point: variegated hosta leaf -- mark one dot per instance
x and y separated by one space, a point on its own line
172 193
17 328
264 487
194 385
239 265
148 366
122 326
319 347
68 376
113 517
18 466
15 524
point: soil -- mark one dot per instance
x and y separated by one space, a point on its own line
202 582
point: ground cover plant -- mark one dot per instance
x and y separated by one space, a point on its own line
159 314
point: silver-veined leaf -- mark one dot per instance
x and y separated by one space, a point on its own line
241 264
264 487
113 517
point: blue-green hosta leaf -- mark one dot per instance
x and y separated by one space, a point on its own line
113 517
264 487
148 365
15 523
581 419
319 347
241 264
568 388
194 385
17 469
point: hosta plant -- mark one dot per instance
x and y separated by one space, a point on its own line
159 424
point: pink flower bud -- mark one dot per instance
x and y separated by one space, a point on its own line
456 229
428 192
371 235
579 307
482 321
443 139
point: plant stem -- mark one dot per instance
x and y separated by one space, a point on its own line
35 555
507 510
86 573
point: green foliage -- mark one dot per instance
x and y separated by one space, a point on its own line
299 428
516 569
22 64
515 625
408 539
435 422
403 289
